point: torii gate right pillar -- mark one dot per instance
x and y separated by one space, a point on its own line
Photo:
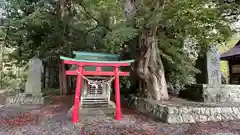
117 95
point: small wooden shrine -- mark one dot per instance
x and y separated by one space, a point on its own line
233 58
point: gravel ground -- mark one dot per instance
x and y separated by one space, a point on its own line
52 120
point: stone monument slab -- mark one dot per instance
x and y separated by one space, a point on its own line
213 66
33 85
32 93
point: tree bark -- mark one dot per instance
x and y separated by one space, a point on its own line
66 16
148 67
62 79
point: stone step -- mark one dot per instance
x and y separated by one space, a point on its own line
91 110
94 102
97 111
95 105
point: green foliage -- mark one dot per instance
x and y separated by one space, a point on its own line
120 34
11 75
206 23
43 27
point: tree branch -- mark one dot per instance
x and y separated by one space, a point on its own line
91 16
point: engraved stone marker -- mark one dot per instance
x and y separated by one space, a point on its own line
32 93
213 66
33 85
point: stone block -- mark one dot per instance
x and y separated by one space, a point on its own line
212 93
23 98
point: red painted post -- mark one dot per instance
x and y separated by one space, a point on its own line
117 95
98 69
77 96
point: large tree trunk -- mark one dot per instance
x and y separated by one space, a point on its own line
148 67
66 16
62 79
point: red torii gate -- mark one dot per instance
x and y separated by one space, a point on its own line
80 71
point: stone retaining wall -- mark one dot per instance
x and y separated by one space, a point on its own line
212 93
186 113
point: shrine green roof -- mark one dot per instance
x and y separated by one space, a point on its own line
99 61
95 54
